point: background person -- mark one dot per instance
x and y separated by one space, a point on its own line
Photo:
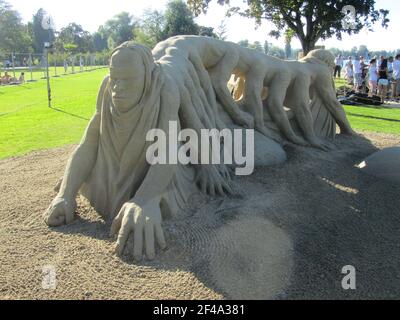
349 71
383 81
396 77
338 65
6 79
357 74
373 78
22 78
390 67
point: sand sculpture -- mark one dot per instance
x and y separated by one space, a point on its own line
184 80
290 83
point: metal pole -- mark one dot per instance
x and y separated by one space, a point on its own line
44 55
55 64
48 77
13 64
30 65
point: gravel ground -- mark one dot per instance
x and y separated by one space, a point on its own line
287 237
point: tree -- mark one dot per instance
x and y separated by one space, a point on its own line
244 43
363 50
221 30
309 20
276 52
75 35
150 29
179 20
40 36
256 46
99 41
206 32
14 35
119 29
289 34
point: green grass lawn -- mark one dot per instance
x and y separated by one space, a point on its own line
375 119
27 124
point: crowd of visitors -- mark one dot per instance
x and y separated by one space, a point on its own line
378 76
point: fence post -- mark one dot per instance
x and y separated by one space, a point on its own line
46 53
30 66
13 63
55 63
1 64
44 63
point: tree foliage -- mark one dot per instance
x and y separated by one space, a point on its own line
14 35
309 20
179 20
74 34
39 35
150 29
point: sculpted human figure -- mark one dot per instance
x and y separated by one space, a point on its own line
186 84
289 84
307 88
109 167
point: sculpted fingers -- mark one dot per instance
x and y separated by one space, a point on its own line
160 235
226 186
70 212
211 188
116 224
126 228
149 240
54 216
220 189
202 183
138 241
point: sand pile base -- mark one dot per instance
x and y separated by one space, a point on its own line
288 237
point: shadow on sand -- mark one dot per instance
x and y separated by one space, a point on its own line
290 236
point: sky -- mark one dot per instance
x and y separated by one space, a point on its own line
91 14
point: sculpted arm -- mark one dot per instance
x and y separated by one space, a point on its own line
79 166
325 88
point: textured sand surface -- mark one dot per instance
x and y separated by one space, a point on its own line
288 236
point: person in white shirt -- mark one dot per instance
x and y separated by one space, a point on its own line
338 65
357 70
349 71
396 77
373 78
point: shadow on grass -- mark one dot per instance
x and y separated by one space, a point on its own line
372 117
70 114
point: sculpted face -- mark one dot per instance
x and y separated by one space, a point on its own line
127 77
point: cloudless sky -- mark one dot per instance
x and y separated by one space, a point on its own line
90 14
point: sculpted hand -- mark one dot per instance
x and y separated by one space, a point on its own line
145 223
61 211
211 182
350 132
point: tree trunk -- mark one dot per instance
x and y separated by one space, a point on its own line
307 45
